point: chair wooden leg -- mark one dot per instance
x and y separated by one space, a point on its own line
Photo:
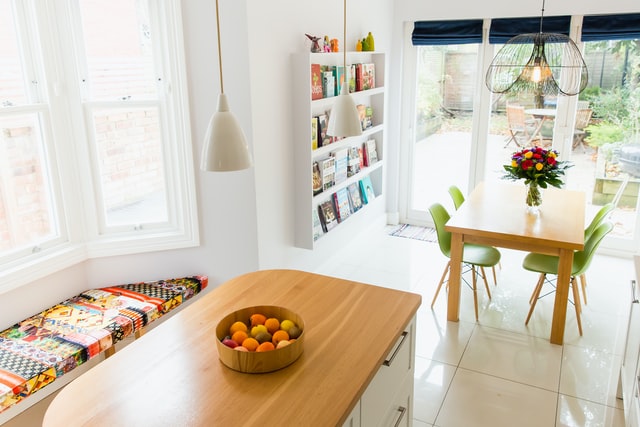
495 281
576 300
475 293
486 284
537 289
583 283
534 297
444 274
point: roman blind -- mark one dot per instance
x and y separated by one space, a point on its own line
610 27
447 32
503 29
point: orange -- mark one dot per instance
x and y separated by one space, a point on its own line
272 324
265 346
279 336
239 336
238 326
250 344
257 319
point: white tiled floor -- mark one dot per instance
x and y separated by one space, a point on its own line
497 371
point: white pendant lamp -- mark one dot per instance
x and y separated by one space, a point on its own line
225 146
344 119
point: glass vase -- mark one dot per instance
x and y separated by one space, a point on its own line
534 198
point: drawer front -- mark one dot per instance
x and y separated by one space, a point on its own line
400 412
379 397
353 420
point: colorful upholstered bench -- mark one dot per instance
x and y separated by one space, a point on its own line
40 349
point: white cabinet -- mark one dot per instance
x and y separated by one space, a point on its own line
630 368
304 109
388 400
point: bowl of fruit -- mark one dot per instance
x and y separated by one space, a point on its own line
260 339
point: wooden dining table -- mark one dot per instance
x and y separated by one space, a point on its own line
495 214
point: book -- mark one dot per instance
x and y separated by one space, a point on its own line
328 84
327 215
317 225
367 76
314 133
371 150
328 170
355 197
368 117
362 115
339 74
316 81
341 157
317 179
323 138
361 155
352 77
341 204
366 190
365 113
354 161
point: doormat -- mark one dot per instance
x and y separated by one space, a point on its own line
426 234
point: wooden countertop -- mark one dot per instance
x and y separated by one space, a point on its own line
172 376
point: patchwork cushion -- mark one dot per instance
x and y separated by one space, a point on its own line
36 351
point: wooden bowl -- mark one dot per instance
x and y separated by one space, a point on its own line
252 362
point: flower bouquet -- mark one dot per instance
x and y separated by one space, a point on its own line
539 168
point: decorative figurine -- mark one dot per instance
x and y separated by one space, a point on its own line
370 42
315 45
327 45
335 47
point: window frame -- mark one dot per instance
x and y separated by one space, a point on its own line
82 236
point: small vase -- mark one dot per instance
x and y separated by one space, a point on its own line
534 198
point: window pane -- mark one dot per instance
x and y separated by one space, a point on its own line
26 208
446 79
12 90
120 66
612 134
129 152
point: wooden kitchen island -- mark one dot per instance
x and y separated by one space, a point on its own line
356 368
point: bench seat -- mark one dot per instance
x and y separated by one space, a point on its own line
37 350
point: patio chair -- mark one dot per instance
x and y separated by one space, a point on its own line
522 130
474 257
583 116
548 264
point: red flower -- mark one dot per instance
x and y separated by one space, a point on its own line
526 164
551 160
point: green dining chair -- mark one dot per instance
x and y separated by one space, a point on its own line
458 200
456 196
474 257
548 264
598 218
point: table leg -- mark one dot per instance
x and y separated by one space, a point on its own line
455 272
562 296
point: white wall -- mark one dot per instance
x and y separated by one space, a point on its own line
276 31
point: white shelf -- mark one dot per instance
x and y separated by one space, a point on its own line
304 110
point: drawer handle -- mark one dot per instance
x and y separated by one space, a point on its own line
634 296
397 349
401 410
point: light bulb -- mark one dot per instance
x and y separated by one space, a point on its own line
537 74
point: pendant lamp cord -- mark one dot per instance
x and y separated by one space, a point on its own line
344 37
541 16
219 48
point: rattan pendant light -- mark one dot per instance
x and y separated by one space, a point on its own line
344 119
225 146
542 63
